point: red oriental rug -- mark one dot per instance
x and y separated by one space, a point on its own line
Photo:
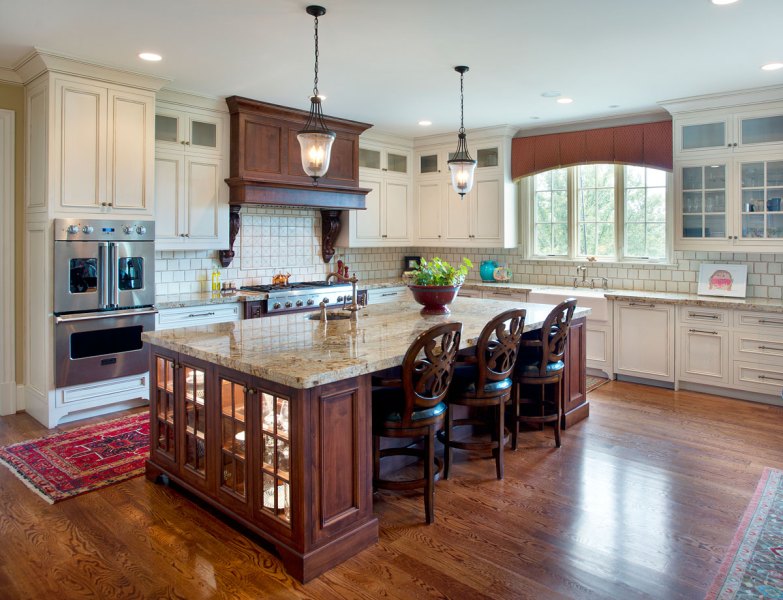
753 567
64 465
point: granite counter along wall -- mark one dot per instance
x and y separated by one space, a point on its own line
275 239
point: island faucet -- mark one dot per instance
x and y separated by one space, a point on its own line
583 282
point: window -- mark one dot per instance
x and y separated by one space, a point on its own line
608 211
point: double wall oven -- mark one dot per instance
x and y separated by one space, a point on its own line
104 291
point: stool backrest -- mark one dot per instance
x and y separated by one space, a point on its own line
497 348
428 367
551 343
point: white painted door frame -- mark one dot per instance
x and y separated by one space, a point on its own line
7 272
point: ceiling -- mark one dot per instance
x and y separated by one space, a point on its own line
391 63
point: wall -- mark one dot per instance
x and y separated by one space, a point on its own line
12 98
272 240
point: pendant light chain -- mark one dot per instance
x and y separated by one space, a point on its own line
315 81
461 104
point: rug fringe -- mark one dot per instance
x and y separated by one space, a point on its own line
25 481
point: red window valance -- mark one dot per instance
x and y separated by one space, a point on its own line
649 145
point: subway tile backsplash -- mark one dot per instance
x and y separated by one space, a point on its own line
289 240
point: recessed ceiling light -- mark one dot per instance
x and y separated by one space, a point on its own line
550 94
535 118
150 56
425 123
565 100
772 66
724 2
614 106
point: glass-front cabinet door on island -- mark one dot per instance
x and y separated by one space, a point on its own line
274 480
233 401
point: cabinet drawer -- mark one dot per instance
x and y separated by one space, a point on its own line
383 295
715 317
753 346
505 295
470 293
106 392
759 320
758 378
197 315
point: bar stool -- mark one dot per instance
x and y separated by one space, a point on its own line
412 407
483 380
541 363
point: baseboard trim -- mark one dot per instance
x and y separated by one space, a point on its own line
8 398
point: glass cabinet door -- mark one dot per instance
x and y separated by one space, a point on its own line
761 213
233 458
203 134
761 130
396 163
195 422
429 163
704 201
704 136
165 442
167 129
275 492
369 159
487 157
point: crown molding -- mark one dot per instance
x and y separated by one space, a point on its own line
9 76
40 61
192 100
772 93
473 135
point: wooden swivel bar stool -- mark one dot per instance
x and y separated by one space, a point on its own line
483 380
541 363
413 407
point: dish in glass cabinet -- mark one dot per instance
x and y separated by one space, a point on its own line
282 498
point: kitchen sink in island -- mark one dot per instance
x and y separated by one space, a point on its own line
269 420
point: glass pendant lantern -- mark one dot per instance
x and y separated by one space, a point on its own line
316 139
461 165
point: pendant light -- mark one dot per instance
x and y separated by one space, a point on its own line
462 166
315 140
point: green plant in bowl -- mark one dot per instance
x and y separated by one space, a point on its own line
439 272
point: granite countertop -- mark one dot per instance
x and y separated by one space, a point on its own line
295 351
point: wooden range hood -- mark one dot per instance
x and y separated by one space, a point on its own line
266 168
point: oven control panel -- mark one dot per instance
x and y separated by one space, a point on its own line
100 230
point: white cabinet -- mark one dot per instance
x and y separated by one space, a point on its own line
102 150
704 349
170 318
190 170
728 171
757 352
388 217
644 340
483 218
391 294
508 295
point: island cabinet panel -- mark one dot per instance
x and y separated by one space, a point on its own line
291 465
575 405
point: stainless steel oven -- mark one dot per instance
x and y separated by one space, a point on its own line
104 275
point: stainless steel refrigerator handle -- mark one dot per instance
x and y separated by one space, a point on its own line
103 279
115 267
104 315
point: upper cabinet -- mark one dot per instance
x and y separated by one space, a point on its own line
486 217
728 171
91 148
385 170
191 165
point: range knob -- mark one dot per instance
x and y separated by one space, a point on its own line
275 306
127 229
325 300
288 305
88 229
339 298
299 303
73 229
141 230
310 302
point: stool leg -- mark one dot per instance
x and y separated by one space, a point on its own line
376 458
499 455
515 415
542 387
447 449
557 422
429 476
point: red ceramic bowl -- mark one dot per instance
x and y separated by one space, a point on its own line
434 298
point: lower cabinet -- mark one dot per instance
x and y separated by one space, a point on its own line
205 314
280 461
392 294
575 406
704 350
644 340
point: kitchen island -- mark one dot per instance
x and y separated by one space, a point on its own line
269 420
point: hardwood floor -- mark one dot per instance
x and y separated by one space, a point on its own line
640 502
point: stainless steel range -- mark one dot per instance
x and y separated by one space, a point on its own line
306 295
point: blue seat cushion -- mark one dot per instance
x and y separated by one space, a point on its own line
533 369
465 379
388 403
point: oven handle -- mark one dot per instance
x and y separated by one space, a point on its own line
132 312
104 301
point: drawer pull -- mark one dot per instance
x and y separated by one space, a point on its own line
702 331
770 348
770 378
703 316
390 294
204 314
771 321
641 304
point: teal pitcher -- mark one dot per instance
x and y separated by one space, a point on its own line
487 270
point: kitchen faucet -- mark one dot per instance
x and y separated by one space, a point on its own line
583 282
354 306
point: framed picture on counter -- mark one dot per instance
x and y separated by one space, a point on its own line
723 280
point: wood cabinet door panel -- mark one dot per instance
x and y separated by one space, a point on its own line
574 392
169 195
263 150
396 210
429 210
487 215
131 118
203 194
368 221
